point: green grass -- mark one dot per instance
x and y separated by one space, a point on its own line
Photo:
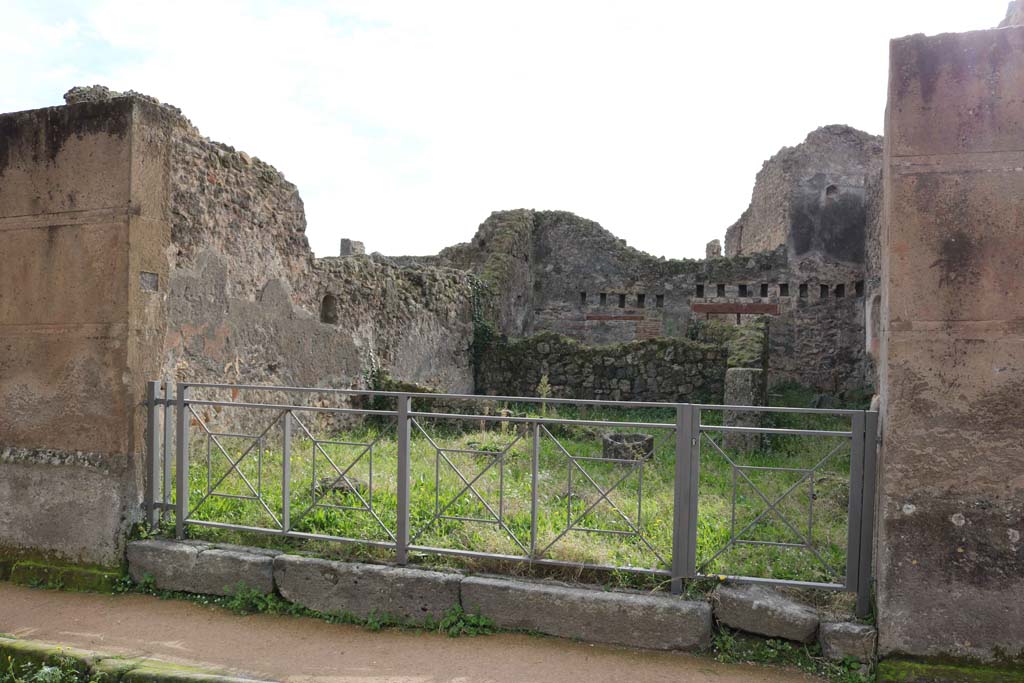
436 487
34 672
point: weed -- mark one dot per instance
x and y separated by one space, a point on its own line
64 671
458 622
731 647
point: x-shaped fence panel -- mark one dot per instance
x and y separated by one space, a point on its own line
215 449
576 473
800 533
321 488
469 488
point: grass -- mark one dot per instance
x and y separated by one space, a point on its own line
34 672
639 495
733 646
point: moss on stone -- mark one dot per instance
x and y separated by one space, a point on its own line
919 671
112 669
70 577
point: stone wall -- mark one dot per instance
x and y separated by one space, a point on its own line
811 198
565 274
249 303
136 249
84 234
950 560
654 370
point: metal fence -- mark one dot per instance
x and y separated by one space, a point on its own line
281 462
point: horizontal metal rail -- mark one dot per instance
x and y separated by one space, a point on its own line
480 495
458 397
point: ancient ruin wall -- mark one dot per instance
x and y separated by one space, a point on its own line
950 560
249 303
654 370
570 276
811 198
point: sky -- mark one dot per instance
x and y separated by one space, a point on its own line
406 123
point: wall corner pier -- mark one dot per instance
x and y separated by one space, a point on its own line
950 560
83 219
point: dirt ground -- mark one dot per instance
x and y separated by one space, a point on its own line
302 650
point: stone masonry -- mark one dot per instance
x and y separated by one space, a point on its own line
950 560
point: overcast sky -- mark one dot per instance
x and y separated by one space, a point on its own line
405 124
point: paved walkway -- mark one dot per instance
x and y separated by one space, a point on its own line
304 650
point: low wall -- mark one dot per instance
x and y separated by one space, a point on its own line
652 620
653 370
416 596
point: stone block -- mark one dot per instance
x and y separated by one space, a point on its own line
743 387
627 446
366 590
761 610
845 639
631 619
200 568
351 248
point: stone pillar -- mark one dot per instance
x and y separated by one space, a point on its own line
713 249
950 557
743 387
84 228
351 248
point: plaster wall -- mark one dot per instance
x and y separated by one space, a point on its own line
81 217
950 560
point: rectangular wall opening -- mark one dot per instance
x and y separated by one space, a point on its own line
700 291
803 291
641 300
622 300
764 289
659 301
604 298
583 298
858 287
784 289
721 290
840 291
743 291
823 291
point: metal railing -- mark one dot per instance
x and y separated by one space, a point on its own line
513 486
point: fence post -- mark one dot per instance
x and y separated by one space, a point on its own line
181 501
286 474
854 510
152 453
168 452
534 481
867 525
684 522
402 522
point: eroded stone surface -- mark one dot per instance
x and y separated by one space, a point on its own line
764 611
844 639
366 590
200 568
632 619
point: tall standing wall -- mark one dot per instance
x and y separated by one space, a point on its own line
950 567
83 226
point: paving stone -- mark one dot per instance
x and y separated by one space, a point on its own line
659 622
764 611
366 590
